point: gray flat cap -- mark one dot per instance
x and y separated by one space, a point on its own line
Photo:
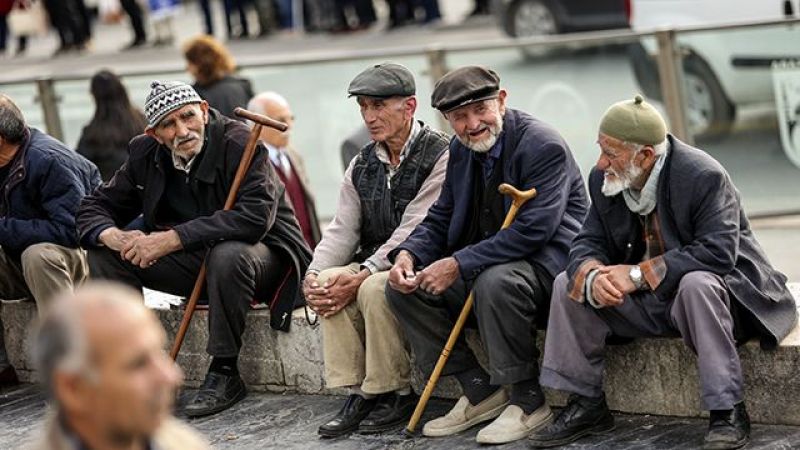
463 86
383 80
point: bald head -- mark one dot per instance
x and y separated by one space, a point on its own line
273 105
100 348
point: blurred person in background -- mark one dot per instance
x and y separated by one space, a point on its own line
68 20
236 7
100 353
288 163
208 16
362 10
35 23
162 13
134 11
104 140
212 67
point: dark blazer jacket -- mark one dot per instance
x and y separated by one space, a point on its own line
544 227
703 228
261 212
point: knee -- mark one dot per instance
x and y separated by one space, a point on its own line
43 256
490 284
229 257
700 284
327 274
372 293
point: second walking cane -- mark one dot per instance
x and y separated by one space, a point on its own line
518 198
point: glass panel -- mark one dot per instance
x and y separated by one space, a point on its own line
325 116
27 99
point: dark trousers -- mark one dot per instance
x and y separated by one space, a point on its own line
134 11
208 18
238 6
237 273
364 10
509 299
67 19
3 32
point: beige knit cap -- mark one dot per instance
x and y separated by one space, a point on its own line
634 121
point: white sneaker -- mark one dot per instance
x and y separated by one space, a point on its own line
464 416
513 425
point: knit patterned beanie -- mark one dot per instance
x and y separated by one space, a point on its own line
165 97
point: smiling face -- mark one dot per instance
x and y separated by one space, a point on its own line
386 118
478 125
183 130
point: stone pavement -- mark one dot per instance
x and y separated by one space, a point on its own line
266 421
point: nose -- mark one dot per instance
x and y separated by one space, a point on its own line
369 116
603 163
181 129
169 371
473 122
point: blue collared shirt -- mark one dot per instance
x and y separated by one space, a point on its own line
489 159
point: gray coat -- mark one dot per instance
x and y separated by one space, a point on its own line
703 228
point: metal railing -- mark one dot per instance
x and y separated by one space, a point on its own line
669 63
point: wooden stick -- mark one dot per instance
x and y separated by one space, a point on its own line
244 165
518 198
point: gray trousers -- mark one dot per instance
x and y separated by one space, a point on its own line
237 273
699 313
508 299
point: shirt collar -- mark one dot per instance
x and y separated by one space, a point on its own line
494 153
383 152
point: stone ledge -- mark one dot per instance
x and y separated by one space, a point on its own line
648 376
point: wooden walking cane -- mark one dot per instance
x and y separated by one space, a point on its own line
259 121
518 198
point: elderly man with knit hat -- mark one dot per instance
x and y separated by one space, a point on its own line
666 250
174 183
460 247
387 189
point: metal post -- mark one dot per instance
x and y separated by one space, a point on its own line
49 100
670 72
437 68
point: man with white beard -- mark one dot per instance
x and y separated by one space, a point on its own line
459 246
666 250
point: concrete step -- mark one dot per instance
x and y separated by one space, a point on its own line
648 376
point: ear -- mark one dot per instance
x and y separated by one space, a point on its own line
71 392
411 106
152 133
501 101
204 107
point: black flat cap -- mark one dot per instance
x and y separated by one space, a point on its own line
463 86
383 80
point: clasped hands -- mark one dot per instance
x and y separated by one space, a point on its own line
337 292
612 284
142 250
434 279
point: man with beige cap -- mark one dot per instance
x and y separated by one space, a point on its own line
666 250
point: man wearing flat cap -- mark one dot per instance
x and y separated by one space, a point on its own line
459 246
387 189
666 250
174 183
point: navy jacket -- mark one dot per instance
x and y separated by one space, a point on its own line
45 185
544 227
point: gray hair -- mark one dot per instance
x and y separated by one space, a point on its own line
256 104
60 343
659 148
12 122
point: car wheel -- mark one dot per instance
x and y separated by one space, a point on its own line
710 114
529 18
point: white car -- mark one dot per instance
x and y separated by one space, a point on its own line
723 70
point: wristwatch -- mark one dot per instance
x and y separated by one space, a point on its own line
636 277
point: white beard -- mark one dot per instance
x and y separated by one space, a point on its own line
484 145
620 182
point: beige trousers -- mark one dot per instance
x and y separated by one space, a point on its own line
45 270
363 344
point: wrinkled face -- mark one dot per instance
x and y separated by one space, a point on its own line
478 125
386 118
183 130
281 113
133 380
618 162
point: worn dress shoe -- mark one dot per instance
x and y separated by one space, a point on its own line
513 424
390 411
728 429
218 392
355 409
582 416
464 415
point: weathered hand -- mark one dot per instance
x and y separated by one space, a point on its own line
144 251
342 290
401 276
612 284
620 276
116 239
439 276
316 296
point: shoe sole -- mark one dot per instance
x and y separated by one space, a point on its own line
720 446
236 399
519 435
334 434
488 415
382 428
599 429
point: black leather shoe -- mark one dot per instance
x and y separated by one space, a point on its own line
582 416
355 409
218 392
728 429
390 411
